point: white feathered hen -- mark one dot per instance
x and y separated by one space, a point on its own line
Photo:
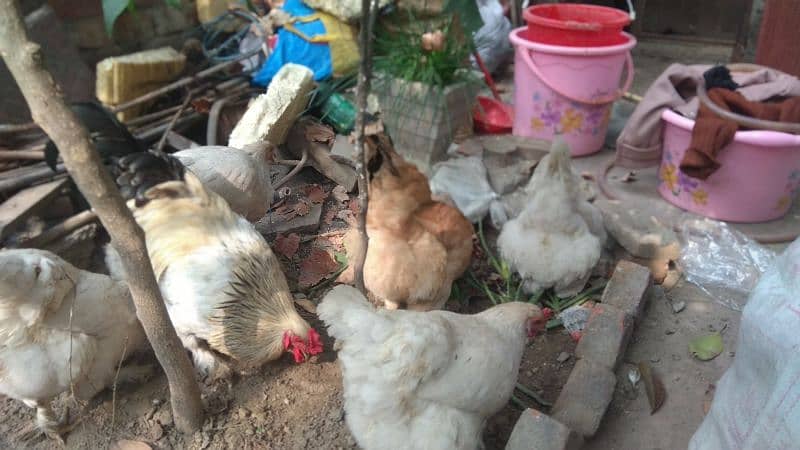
557 238
425 380
41 297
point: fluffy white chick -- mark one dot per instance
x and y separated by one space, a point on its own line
425 380
241 177
41 297
557 238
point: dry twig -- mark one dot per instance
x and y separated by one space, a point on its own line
369 12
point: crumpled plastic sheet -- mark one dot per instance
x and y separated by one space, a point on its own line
721 261
466 182
491 40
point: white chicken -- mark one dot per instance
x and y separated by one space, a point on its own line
557 238
42 298
241 177
425 380
223 287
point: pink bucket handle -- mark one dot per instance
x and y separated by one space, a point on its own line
598 101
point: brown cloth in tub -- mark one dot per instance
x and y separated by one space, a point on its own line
711 132
639 144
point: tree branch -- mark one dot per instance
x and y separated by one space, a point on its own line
48 109
369 11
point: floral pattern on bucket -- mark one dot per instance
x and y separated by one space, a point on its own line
678 182
790 191
567 117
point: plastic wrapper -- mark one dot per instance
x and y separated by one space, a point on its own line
491 40
465 181
723 262
755 404
575 317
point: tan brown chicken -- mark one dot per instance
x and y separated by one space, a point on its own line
417 246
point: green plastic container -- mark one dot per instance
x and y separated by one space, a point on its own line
339 113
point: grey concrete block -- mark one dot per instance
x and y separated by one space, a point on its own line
628 289
605 337
642 235
538 431
585 398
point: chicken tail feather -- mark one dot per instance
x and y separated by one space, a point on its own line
136 173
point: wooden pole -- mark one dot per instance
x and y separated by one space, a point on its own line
48 109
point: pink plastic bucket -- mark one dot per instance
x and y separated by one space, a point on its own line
568 90
757 180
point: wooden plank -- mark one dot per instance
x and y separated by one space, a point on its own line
25 203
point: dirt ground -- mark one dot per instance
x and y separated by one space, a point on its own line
283 406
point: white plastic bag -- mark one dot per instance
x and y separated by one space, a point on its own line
465 181
756 403
723 262
491 40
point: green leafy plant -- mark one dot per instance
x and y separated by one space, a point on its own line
399 52
509 287
112 9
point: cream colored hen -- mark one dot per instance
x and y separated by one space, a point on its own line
557 238
425 380
42 298
223 287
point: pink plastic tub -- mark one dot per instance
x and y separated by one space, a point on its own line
568 90
757 180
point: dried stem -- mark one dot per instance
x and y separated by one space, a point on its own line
369 11
171 124
48 109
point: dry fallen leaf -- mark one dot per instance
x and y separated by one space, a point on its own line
354 206
317 266
302 208
126 444
340 194
287 245
656 394
317 132
315 193
201 105
329 216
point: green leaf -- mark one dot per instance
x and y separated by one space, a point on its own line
706 348
112 9
173 3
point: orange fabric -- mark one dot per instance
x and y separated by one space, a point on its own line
711 132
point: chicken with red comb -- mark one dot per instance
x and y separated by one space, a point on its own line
223 286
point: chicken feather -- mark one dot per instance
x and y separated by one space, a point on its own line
425 379
223 286
61 329
405 227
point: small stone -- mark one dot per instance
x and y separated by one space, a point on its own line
285 401
563 357
342 148
286 430
157 401
164 417
243 413
678 306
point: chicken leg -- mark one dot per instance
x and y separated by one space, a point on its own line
47 423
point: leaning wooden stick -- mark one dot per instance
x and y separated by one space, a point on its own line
48 109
